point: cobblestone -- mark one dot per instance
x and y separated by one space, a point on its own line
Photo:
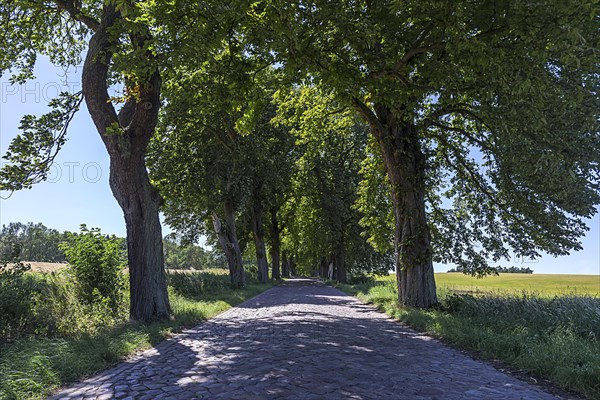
302 340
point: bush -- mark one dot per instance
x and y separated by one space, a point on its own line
97 262
251 271
16 296
48 305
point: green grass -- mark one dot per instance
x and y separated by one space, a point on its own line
553 337
31 367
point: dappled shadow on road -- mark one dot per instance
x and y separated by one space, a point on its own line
304 340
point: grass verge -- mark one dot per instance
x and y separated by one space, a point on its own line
32 367
556 339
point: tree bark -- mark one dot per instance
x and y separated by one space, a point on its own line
339 264
126 136
405 166
275 245
228 239
292 264
285 265
258 232
323 267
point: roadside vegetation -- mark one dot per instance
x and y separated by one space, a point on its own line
554 336
60 327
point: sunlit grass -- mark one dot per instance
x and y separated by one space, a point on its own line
543 284
547 285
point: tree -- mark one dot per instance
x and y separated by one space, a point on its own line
280 164
490 104
204 163
269 158
374 203
194 164
180 254
35 241
322 219
118 40
207 158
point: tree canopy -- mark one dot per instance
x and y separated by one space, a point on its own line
482 119
485 113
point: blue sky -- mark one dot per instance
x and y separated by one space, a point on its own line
77 190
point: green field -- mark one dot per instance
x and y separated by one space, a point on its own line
542 284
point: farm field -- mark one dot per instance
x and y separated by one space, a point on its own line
542 284
45 267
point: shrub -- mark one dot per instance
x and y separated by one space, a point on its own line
16 296
251 271
96 262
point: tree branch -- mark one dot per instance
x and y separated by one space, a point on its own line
412 53
409 55
431 121
473 176
95 76
76 14
479 142
376 126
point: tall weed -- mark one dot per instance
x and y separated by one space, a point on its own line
195 284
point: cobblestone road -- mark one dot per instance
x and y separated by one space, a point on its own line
302 340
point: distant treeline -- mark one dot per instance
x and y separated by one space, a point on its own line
35 241
38 243
505 270
514 270
182 255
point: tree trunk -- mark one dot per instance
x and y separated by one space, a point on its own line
285 265
292 266
405 167
126 136
258 232
275 245
339 264
140 203
228 239
323 267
